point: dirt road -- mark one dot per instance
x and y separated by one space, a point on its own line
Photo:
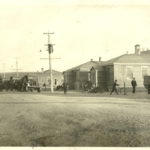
44 120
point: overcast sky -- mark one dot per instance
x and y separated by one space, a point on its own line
83 29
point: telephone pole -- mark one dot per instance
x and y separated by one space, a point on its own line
50 51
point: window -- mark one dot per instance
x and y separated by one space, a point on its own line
129 73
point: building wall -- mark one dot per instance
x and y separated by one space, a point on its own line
70 79
76 79
109 75
125 73
45 78
93 80
81 78
101 79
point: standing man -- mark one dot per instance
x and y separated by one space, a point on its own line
114 87
134 84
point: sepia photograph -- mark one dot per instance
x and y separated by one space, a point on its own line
74 73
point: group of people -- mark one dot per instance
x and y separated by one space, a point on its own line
114 87
12 84
115 84
22 84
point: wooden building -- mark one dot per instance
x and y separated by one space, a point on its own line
122 69
77 76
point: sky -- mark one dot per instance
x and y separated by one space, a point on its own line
83 30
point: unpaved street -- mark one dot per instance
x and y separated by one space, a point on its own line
44 120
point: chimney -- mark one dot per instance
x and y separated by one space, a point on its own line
137 49
100 59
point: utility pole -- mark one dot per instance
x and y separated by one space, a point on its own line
50 51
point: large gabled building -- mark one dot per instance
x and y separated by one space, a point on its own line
122 69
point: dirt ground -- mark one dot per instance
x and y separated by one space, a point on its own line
31 119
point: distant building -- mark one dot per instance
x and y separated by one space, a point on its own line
44 77
77 76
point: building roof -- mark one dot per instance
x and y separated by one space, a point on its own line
54 72
129 58
85 67
113 60
97 67
125 58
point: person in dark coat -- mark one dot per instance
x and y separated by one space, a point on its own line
134 84
114 87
